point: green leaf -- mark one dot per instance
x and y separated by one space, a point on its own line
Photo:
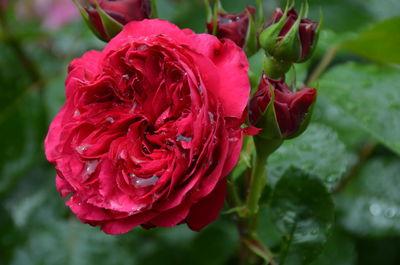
370 204
303 210
371 95
329 114
318 151
379 43
340 249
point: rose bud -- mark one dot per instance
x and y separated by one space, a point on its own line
150 128
232 26
106 18
289 37
281 112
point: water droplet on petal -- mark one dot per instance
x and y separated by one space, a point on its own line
201 89
82 148
125 76
122 155
77 113
182 138
138 207
143 182
211 117
233 139
91 166
110 119
133 107
136 160
142 47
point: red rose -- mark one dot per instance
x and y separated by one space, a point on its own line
150 128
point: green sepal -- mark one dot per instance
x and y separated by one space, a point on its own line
209 10
289 47
270 35
265 147
154 12
274 68
256 62
85 17
217 7
268 120
111 26
260 15
250 46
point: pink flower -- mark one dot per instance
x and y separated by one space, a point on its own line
150 128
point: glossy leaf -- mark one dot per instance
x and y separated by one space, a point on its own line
371 95
340 249
302 209
318 151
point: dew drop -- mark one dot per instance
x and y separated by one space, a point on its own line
138 207
233 139
143 182
181 138
82 148
136 160
125 76
77 113
201 89
390 212
110 119
211 116
142 47
122 155
91 166
375 209
133 107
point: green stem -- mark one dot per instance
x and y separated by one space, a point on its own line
257 183
323 64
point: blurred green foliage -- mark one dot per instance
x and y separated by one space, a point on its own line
352 148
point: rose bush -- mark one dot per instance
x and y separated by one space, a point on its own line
150 128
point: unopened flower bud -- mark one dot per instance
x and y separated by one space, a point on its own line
289 37
279 111
106 18
232 26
